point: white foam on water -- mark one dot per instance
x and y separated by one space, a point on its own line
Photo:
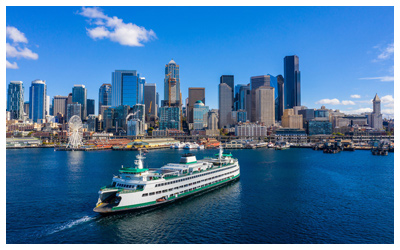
72 224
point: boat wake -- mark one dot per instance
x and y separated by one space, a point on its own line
72 224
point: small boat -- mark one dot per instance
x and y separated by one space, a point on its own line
200 147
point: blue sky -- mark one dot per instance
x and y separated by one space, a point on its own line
346 53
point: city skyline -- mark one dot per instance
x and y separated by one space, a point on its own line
322 81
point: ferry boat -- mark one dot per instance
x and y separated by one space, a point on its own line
139 187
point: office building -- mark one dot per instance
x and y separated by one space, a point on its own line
115 119
376 116
26 108
74 109
195 94
212 120
239 116
319 128
290 120
230 81
60 105
292 94
200 115
265 105
105 93
280 106
15 100
37 100
126 88
224 104
170 118
150 100
172 84
250 129
255 83
79 95
90 107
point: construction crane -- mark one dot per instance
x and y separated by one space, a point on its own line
150 107
173 81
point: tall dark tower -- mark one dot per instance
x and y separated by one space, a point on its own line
230 81
292 93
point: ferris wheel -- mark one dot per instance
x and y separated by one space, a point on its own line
75 132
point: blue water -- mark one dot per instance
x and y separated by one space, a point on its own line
289 196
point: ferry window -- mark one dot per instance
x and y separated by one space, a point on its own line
151 193
156 185
143 195
170 189
113 184
176 187
180 186
158 192
186 185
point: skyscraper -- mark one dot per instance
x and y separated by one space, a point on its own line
104 95
172 84
255 83
15 100
376 116
60 105
126 88
281 103
90 107
170 118
150 100
230 81
200 115
292 82
195 94
79 95
225 104
37 100
265 105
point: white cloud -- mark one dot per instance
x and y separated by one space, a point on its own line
115 29
381 78
387 52
335 101
15 35
387 101
12 51
98 32
348 103
329 101
11 65
358 111
387 112
18 47
355 96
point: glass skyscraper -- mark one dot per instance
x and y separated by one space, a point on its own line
37 100
200 115
79 95
90 107
104 95
230 81
15 100
172 72
292 82
127 88
150 101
